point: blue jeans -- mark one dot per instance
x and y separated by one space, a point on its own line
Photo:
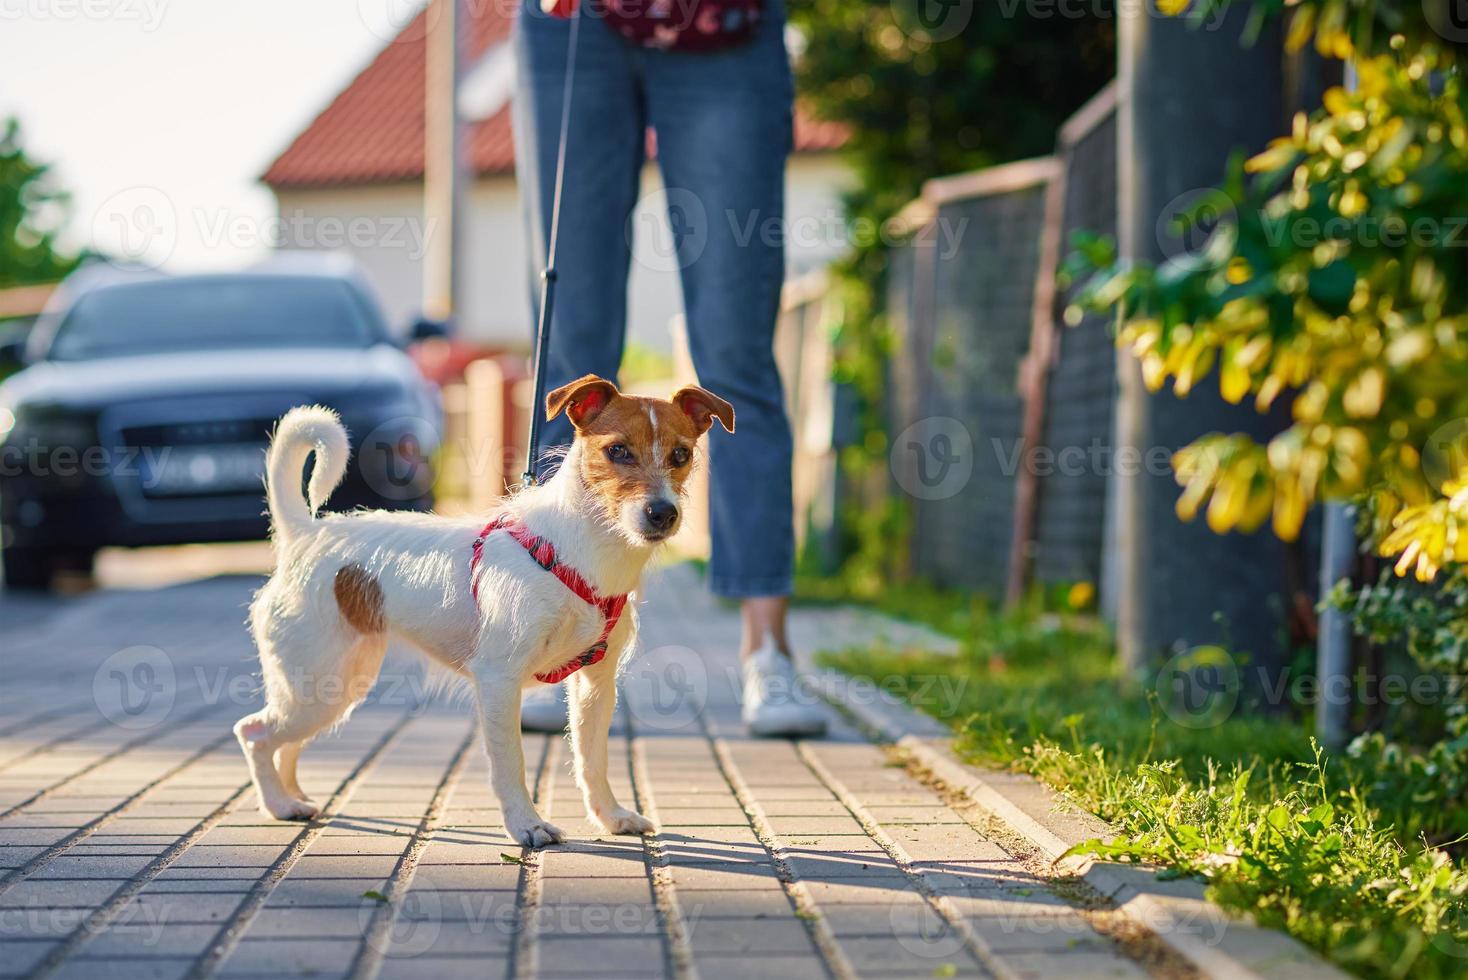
723 123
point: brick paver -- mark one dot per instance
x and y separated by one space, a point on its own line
130 845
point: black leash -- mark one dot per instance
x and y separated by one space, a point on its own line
548 277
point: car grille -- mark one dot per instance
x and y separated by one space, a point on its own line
211 433
194 460
217 458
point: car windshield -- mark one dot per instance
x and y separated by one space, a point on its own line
212 314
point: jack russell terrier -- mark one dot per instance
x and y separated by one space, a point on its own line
537 595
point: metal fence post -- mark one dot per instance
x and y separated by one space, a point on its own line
1333 650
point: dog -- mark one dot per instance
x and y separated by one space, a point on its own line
536 594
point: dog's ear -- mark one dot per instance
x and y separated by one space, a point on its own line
703 406
582 400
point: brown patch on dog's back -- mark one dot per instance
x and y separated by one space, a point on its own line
359 598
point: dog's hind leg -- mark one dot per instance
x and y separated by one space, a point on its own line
260 734
286 758
362 663
301 703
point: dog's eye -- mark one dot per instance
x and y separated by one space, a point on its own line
680 456
619 453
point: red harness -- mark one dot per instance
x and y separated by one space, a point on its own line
545 556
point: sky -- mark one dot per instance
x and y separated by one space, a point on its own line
160 115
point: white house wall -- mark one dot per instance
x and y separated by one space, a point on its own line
382 226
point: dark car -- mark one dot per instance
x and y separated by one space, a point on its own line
144 409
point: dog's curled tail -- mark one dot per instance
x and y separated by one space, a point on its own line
301 432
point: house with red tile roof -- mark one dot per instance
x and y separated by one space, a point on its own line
352 180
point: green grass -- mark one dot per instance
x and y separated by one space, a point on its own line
1247 804
1058 682
641 365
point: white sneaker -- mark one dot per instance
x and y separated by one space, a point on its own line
771 708
543 709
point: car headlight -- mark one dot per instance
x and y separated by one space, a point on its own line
44 430
61 449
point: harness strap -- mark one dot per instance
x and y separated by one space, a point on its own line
544 554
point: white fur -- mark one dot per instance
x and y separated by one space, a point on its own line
301 432
317 667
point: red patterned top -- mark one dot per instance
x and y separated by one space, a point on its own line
684 25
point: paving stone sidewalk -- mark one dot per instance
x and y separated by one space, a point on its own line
130 845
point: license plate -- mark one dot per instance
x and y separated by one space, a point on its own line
182 470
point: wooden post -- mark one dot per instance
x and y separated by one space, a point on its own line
1034 386
443 163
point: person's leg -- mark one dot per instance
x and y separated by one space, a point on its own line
604 161
603 165
723 124
762 619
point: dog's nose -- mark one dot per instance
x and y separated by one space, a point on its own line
661 514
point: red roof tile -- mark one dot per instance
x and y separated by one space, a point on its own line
372 132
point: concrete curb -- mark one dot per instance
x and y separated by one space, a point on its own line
1176 912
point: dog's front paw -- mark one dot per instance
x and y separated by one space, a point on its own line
534 832
623 821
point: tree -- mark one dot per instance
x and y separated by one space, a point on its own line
932 94
32 211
